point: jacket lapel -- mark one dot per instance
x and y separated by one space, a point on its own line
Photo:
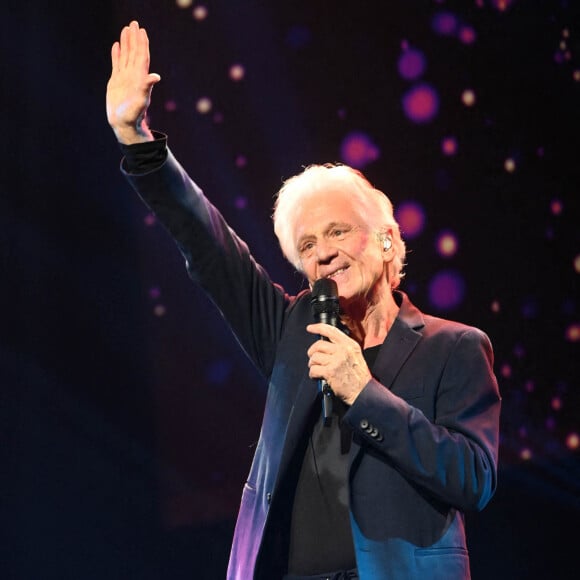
400 342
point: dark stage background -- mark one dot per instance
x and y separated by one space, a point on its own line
128 415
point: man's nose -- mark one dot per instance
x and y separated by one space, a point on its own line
325 251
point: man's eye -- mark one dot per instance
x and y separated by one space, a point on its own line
306 247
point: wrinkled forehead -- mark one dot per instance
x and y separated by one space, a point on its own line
331 204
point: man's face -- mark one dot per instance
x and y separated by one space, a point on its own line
334 241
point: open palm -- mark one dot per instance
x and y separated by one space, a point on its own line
130 85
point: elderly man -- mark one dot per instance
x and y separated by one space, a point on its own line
375 485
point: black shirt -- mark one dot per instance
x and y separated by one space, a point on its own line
320 532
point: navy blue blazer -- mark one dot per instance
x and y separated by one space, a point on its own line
425 440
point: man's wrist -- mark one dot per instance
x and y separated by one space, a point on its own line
131 134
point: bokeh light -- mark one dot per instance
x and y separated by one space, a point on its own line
241 202
159 310
200 12
449 146
573 441
170 105
358 150
204 105
502 5
447 244
556 207
509 165
421 103
468 97
237 72
411 217
446 290
444 23
467 34
573 332
411 64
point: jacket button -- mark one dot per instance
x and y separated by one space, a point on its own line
364 424
269 498
374 432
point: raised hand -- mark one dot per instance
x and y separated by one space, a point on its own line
129 88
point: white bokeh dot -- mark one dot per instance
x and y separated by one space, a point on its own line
203 105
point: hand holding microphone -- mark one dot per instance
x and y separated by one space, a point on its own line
336 360
326 309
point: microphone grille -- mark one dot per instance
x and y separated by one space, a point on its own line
325 298
324 289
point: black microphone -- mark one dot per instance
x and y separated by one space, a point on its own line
325 308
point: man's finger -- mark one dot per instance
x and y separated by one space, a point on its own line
321 346
153 79
326 330
133 42
124 47
142 52
115 49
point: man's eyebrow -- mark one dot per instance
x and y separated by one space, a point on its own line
332 225
339 225
327 229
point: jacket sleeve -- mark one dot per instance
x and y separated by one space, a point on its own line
452 454
217 259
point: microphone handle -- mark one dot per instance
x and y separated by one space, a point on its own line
324 387
327 396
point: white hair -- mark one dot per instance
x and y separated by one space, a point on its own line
374 205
